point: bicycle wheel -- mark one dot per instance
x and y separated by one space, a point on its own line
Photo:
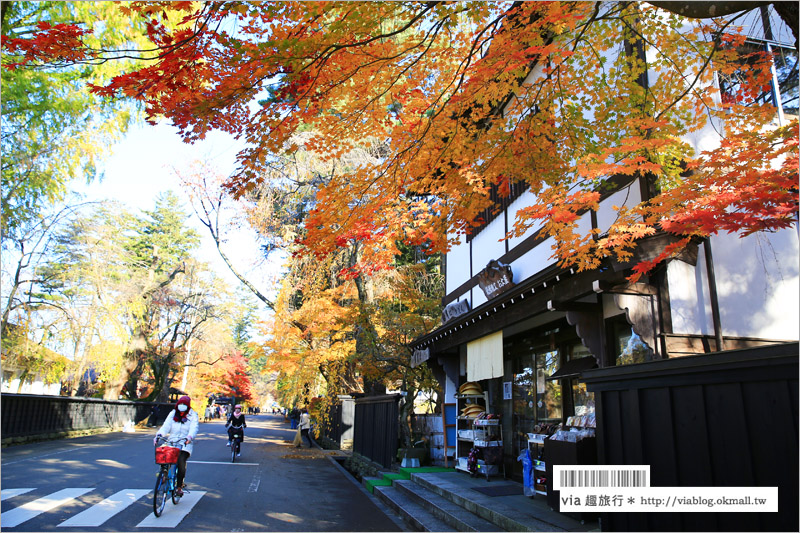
174 478
160 492
233 450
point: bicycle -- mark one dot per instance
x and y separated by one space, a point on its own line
166 479
236 443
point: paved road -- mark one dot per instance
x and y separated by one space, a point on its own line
105 483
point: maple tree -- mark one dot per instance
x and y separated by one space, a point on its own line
448 90
330 320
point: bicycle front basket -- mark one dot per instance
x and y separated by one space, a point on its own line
167 455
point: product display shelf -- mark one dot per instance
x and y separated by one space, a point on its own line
465 430
486 432
536 440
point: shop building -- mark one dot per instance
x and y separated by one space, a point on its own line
525 329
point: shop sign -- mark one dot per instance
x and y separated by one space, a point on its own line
454 310
507 391
419 357
495 279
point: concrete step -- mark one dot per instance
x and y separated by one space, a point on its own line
504 516
455 516
414 514
371 482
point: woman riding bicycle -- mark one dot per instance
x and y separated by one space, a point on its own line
236 424
182 423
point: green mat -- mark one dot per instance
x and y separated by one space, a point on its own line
370 484
404 473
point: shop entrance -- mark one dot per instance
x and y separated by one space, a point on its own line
532 357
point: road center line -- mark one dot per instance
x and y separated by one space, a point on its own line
256 481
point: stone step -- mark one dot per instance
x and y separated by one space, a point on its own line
414 514
504 516
458 518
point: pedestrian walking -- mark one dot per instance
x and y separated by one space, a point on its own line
305 427
151 421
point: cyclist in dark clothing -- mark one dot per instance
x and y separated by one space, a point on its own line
236 421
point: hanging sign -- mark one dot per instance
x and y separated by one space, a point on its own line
507 394
419 357
454 310
495 279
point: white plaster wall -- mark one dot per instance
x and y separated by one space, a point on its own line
533 262
37 387
757 284
627 197
757 288
688 297
457 265
478 297
487 245
526 199
584 224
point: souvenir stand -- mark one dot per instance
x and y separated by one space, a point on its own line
479 432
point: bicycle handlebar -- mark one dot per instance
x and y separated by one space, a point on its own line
162 440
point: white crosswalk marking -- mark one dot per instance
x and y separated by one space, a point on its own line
25 512
173 514
10 493
97 514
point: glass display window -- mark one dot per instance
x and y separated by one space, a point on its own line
548 393
628 347
582 399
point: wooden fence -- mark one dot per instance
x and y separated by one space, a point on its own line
375 433
30 415
728 419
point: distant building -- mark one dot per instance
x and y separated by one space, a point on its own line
18 379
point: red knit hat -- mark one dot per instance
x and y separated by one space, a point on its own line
180 417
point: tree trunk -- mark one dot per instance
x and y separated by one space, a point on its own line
406 415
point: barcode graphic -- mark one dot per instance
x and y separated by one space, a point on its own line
603 478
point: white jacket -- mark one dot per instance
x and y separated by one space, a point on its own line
181 430
305 421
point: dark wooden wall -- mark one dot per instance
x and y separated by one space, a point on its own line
723 419
31 415
375 428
